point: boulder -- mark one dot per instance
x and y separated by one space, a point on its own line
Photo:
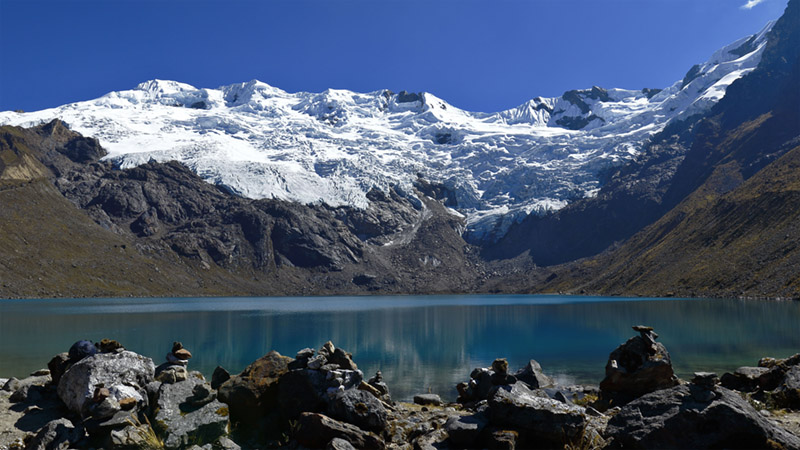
125 373
317 430
302 391
533 376
427 399
675 418
464 431
744 379
359 408
188 412
171 373
133 437
517 406
636 367
254 392
219 377
56 435
787 394
343 359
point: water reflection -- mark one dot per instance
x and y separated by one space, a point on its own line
419 343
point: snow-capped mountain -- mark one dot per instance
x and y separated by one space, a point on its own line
333 147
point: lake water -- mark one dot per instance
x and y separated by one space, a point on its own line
420 344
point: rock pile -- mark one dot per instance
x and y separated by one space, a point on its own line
104 396
638 366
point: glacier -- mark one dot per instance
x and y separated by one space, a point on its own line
333 147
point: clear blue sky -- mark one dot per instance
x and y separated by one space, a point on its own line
478 55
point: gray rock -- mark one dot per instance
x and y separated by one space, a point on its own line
519 407
339 444
59 434
316 362
187 412
58 365
465 430
359 408
427 399
133 437
316 430
126 368
673 418
787 395
637 367
15 384
383 388
105 409
533 376
743 379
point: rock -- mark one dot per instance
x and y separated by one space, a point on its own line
464 431
182 354
366 387
533 376
105 408
302 391
187 412
327 349
673 418
219 376
40 372
360 409
383 388
305 353
500 377
707 380
637 367
127 403
343 359
316 362
80 350
519 407
133 437
316 430
771 379
744 379
339 444
253 393
112 370
58 365
501 439
427 399
787 394
174 360
109 345
171 373
56 435
100 394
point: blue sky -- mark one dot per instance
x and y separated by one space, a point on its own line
477 55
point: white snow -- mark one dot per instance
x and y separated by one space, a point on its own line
333 147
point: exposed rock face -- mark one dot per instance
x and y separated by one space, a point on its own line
638 366
251 394
122 373
316 430
519 407
787 394
688 417
465 430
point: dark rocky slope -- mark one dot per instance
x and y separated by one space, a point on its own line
676 162
158 229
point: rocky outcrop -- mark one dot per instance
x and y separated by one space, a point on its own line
694 416
638 366
317 430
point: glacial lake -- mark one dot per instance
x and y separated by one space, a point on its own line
421 344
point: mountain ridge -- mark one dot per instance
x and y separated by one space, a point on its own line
333 147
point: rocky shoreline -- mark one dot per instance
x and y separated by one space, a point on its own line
99 395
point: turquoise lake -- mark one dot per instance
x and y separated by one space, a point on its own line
421 344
